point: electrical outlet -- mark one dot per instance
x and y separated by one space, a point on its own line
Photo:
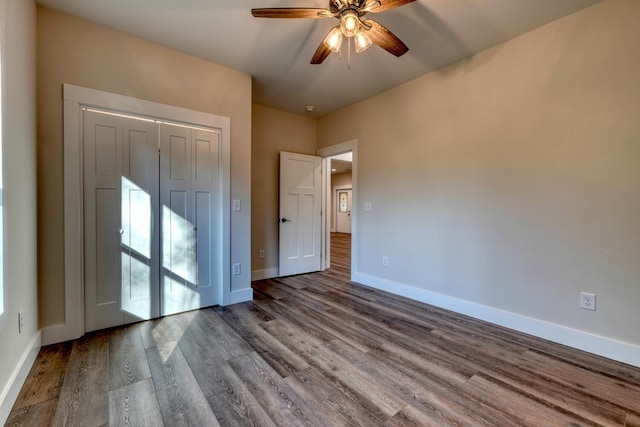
588 301
236 269
385 260
261 254
20 322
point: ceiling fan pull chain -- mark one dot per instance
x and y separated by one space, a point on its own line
349 53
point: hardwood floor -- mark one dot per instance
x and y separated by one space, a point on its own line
318 350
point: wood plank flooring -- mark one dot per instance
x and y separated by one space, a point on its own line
319 350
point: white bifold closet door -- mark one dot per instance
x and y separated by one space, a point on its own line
151 219
191 221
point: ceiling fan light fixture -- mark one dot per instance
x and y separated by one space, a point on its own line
349 23
352 24
333 41
363 41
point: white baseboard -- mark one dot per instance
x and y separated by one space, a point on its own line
65 332
596 344
18 377
242 295
267 273
59 333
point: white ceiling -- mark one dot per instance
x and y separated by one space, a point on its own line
276 52
341 163
340 166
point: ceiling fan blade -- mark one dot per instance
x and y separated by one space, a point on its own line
291 12
385 38
383 5
321 54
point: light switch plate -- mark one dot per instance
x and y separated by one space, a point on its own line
367 206
236 205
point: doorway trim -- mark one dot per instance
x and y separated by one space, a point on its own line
325 153
74 99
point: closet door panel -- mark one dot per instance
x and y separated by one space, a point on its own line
153 226
179 150
188 179
102 185
107 245
207 211
177 238
178 242
139 211
204 250
121 208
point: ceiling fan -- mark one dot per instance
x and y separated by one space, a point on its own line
350 13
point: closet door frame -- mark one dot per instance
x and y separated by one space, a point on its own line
75 98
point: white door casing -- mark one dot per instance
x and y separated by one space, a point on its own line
343 210
75 100
300 214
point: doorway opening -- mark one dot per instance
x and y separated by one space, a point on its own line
341 208
340 203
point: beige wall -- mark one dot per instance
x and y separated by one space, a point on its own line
273 131
512 179
342 180
18 21
78 52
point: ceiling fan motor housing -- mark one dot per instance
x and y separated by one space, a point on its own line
336 6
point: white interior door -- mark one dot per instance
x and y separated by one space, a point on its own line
152 219
300 213
191 275
343 211
121 244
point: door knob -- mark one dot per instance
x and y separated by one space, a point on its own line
285 220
